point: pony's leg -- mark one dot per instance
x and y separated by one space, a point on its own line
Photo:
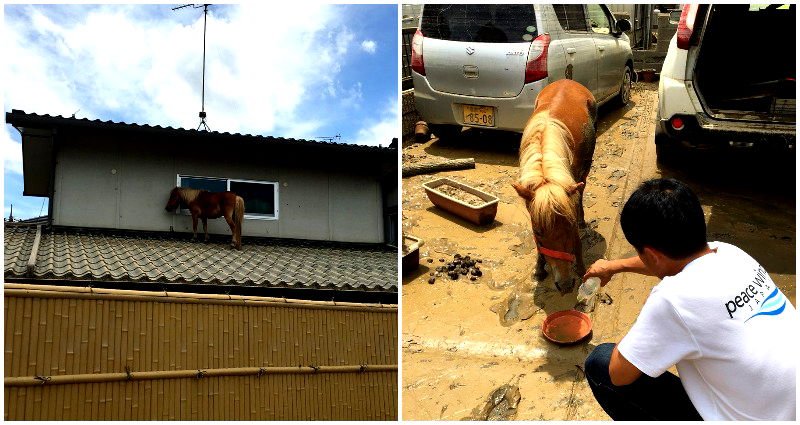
540 273
205 228
194 227
232 225
579 266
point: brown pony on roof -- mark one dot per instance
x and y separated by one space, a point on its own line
205 205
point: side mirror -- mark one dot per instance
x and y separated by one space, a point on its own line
623 25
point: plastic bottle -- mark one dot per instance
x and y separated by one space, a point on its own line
588 289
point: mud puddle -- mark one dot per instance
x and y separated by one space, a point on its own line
500 405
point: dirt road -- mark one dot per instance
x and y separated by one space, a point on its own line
456 351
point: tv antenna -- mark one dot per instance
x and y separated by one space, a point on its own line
202 114
330 139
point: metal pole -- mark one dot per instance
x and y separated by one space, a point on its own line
203 91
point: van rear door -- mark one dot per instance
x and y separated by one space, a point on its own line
477 50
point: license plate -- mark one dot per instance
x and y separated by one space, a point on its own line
479 115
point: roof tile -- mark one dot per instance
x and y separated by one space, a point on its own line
105 255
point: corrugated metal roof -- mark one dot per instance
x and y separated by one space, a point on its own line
81 254
22 119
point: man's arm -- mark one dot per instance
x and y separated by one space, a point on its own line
605 269
621 371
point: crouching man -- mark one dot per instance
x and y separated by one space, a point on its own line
716 315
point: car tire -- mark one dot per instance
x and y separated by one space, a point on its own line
445 132
624 95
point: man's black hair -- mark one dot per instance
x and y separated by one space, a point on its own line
666 215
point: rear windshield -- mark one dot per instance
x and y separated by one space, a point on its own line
489 23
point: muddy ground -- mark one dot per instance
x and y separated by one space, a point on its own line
457 350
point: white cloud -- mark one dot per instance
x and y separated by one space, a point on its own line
381 131
368 46
258 70
12 153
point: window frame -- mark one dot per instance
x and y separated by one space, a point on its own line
570 30
228 180
611 22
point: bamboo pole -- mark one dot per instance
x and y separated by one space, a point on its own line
22 290
28 381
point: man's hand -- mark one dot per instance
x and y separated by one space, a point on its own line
601 268
605 269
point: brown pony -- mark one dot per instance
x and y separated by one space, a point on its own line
205 204
555 155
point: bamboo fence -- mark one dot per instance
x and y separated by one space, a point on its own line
91 354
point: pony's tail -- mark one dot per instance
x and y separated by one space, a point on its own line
238 218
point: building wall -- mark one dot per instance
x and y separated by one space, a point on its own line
92 337
124 184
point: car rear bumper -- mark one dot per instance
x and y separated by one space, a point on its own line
511 114
700 130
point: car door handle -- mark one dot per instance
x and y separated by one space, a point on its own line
571 50
601 48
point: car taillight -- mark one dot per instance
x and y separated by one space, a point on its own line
677 123
417 64
686 25
536 68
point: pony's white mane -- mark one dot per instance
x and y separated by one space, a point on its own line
545 159
188 194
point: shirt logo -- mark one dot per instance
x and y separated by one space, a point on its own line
773 305
753 299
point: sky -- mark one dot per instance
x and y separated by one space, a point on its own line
298 70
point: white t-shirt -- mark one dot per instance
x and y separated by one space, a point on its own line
729 330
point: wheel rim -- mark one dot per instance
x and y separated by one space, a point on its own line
626 86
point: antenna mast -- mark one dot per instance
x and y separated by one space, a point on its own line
330 139
202 114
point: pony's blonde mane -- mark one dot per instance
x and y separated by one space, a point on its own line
545 159
188 194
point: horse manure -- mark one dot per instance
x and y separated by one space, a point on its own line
431 280
462 266
441 260
430 260
500 405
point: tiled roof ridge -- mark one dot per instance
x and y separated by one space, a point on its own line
86 121
149 257
182 236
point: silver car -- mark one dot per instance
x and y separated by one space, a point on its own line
483 65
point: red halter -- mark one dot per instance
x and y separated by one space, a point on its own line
553 253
